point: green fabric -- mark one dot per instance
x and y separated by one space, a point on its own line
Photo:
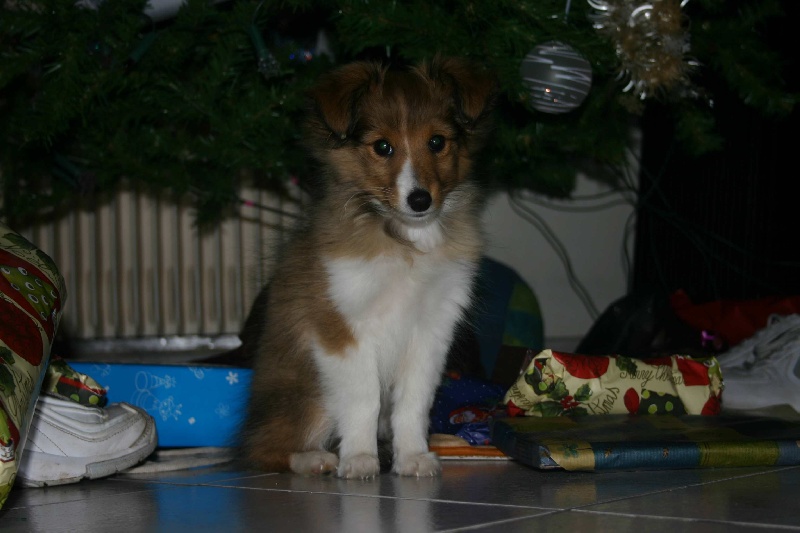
524 325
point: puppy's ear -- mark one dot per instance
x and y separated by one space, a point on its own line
473 88
337 95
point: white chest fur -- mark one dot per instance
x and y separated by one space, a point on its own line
393 299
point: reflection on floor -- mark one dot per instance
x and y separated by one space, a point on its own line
484 495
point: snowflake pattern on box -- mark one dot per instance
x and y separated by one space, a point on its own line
192 405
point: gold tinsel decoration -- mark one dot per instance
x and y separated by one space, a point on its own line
651 42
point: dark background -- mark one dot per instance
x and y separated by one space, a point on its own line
725 225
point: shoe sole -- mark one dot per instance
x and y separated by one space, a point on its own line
58 470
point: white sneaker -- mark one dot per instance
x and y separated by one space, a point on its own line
768 370
68 441
780 329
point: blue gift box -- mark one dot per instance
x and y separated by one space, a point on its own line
192 405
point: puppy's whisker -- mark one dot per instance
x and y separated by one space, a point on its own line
344 207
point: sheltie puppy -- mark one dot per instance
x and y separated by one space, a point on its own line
356 322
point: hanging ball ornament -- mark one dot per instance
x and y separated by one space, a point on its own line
558 77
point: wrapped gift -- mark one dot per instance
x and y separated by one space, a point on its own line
32 295
193 405
556 383
624 442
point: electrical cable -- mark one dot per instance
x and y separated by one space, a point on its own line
536 220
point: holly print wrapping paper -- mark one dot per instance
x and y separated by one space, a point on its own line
557 383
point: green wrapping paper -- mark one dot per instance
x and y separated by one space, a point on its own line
32 295
557 383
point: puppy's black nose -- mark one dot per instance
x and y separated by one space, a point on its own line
419 200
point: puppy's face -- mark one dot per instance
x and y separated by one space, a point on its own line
402 141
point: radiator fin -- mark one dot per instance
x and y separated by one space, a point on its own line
137 267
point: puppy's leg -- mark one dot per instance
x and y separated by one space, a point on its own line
288 433
412 398
315 459
352 397
287 426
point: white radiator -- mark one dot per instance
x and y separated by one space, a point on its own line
137 267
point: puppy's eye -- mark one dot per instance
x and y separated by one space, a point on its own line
383 148
436 143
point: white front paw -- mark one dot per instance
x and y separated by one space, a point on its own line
313 462
419 465
361 466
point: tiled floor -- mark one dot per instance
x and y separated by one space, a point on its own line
488 495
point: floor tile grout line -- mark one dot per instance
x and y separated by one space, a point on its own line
226 480
134 479
603 502
483 525
403 498
221 484
679 488
689 519
759 525
217 484
109 495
